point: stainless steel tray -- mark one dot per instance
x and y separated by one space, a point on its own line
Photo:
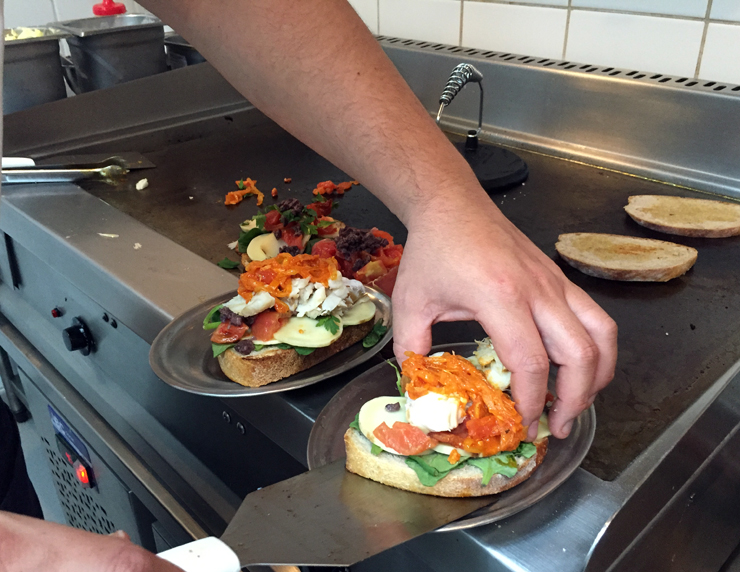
181 355
326 443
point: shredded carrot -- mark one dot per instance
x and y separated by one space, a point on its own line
246 187
274 192
328 187
454 457
454 376
275 275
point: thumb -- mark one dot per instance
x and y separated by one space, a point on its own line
412 330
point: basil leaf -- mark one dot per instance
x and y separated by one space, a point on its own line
213 318
355 424
246 237
375 449
329 322
375 335
218 349
227 264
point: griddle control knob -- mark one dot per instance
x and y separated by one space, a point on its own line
78 337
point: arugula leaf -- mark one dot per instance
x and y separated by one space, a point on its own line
398 377
246 237
431 468
218 349
260 220
334 206
525 449
502 464
310 243
329 322
319 199
375 335
212 319
375 449
355 424
299 350
228 264
258 347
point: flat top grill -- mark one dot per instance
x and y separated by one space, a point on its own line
672 348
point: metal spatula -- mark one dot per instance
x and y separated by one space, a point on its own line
325 517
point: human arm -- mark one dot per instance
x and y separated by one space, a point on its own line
314 68
31 544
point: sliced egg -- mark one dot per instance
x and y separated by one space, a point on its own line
306 333
263 247
373 413
363 311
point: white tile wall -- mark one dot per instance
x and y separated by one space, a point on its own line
368 11
433 20
726 10
534 31
662 36
695 8
646 43
721 58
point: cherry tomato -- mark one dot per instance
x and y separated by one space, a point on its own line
404 438
292 236
272 221
326 230
321 209
372 270
227 333
383 234
390 255
387 282
266 324
325 248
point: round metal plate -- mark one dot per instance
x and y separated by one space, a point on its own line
181 355
326 443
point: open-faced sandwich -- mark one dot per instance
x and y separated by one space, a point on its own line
290 313
453 432
369 256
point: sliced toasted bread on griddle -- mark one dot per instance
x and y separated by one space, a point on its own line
628 258
271 365
685 217
465 481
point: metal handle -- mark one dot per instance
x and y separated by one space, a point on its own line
460 76
205 555
111 174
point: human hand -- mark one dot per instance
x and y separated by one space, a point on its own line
464 260
32 544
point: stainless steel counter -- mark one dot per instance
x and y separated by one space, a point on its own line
665 427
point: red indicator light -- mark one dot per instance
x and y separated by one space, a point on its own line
56 313
82 475
69 458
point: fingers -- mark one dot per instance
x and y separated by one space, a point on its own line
412 329
521 351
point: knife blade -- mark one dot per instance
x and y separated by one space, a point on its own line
324 517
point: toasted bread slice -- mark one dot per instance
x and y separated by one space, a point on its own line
628 258
685 217
392 470
272 365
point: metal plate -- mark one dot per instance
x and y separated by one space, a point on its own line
181 355
326 443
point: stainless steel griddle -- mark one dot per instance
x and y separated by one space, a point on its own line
666 426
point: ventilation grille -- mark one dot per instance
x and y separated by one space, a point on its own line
645 77
80 507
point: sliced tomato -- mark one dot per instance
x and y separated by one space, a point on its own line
345 266
383 234
391 255
325 248
272 221
266 324
321 209
292 236
387 282
227 333
327 230
371 271
483 428
404 438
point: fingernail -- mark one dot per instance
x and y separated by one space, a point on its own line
567 427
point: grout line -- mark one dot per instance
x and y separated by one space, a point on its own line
703 39
462 12
567 28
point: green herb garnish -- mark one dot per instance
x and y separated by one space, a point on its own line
329 322
398 377
375 449
246 237
228 264
375 335
259 219
218 349
355 424
299 350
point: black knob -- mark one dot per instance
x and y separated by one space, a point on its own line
78 338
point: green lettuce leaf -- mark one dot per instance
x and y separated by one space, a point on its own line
501 464
431 468
375 449
525 450
356 422
299 350
218 349
213 318
398 377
